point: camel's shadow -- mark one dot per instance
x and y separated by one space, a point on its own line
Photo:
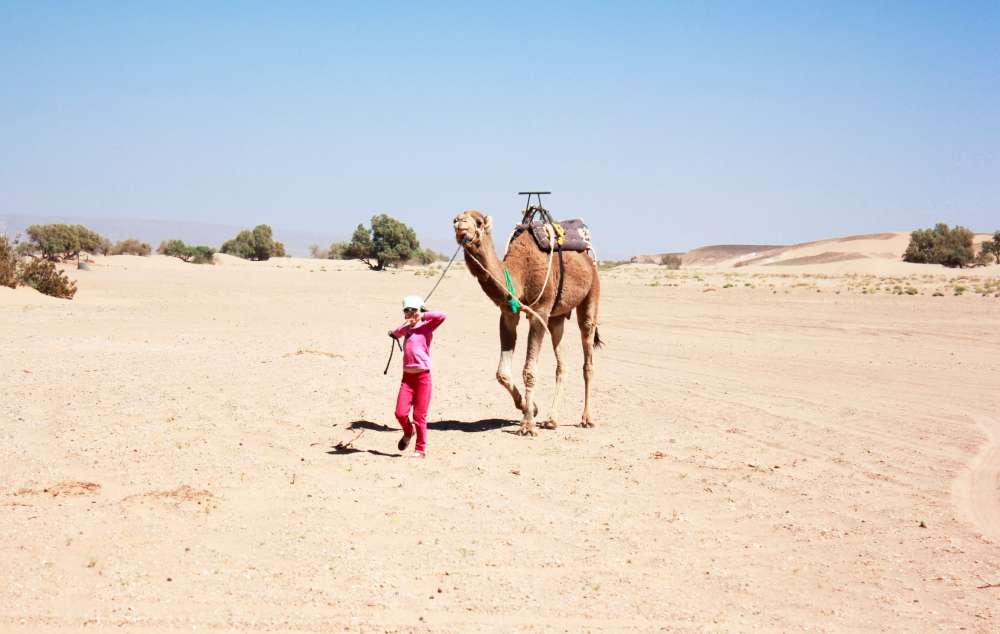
486 424
343 449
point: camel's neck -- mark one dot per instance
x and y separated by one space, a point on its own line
491 279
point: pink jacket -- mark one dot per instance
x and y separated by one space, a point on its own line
417 346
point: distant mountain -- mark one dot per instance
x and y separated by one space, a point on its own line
155 231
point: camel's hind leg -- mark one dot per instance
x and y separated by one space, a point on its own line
586 316
535 335
556 326
508 339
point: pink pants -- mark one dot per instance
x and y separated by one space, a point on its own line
414 391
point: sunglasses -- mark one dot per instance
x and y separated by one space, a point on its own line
409 310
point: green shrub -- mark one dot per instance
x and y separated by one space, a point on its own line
318 252
990 248
131 247
258 244
671 261
195 255
8 262
607 265
429 256
338 250
43 276
940 245
389 242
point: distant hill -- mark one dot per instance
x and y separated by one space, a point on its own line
154 231
710 255
872 247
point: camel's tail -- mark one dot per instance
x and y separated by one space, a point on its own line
597 339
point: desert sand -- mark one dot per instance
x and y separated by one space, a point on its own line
801 447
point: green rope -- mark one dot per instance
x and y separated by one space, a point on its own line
514 304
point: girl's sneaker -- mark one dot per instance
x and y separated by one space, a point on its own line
418 454
404 442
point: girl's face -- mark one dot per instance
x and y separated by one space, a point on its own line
409 313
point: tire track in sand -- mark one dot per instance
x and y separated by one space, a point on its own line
978 487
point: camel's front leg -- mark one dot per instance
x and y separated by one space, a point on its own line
508 339
556 325
535 335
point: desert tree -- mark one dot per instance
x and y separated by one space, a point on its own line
187 253
8 262
951 247
62 241
389 242
254 244
991 248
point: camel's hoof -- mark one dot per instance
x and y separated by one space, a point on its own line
527 431
587 423
550 424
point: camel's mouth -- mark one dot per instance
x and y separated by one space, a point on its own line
465 229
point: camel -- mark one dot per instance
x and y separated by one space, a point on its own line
527 265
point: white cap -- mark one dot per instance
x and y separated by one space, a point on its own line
413 301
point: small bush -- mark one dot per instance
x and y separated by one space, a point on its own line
8 262
671 261
258 244
43 276
338 251
429 256
607 265
195 255
318 252
990 248
131 247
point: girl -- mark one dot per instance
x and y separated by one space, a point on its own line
415 388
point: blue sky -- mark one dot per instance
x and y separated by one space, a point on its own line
665 125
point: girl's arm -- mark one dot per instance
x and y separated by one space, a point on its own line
399 332
434 318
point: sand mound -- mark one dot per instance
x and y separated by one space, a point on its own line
712 255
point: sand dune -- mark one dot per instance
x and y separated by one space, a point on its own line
779 448
877 246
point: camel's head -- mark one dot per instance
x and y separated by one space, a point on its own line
471 226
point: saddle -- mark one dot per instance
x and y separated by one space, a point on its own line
575 235
568 235
554 237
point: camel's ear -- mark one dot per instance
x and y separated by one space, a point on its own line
488 224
